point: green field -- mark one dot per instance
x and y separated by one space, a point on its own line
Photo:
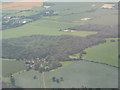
42 27
92 76
11 66
105 53
73 11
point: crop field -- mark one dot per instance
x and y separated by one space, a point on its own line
17 5
105 53
43 27
33 11
11 66
75 77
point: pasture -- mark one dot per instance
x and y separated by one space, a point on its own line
77 75
11 66
73 11
43 27
105 53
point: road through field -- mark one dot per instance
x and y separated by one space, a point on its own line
43 77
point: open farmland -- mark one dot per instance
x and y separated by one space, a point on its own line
11 66
105 53
60 45
77 75
43 27
74 11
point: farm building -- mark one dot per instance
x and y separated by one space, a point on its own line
108 6
85 19
29 63
7 17
66 30
47 7
69 30
24 22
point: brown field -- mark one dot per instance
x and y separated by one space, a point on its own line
24 5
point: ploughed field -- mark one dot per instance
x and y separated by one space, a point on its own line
21 5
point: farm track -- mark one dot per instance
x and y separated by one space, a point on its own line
43 77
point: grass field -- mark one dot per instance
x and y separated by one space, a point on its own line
72 11
11 66
105 53
42 27
75 75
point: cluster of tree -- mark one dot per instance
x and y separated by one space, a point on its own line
35 77
44 66
57 80
48 4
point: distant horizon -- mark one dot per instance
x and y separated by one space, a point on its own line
61 0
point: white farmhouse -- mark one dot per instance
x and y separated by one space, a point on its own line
24 22
66 30
85 19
